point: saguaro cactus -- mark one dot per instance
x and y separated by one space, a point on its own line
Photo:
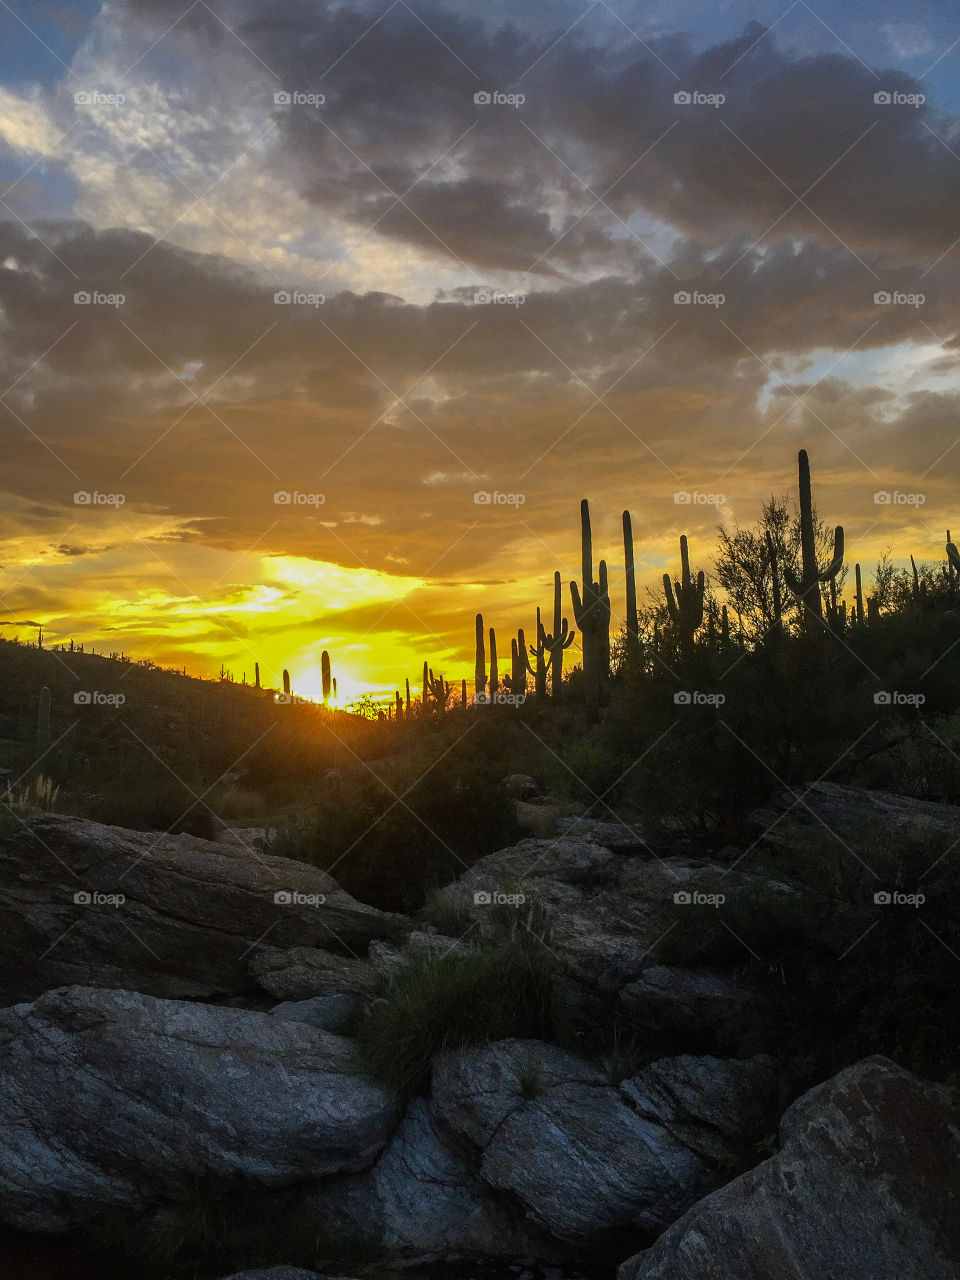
592 613
859 596
554 642
953 557
480 669
286 682
256 675
539 651
325 674
807 587
494 672
685 598
629 571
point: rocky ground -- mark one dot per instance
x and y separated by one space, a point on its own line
178 1012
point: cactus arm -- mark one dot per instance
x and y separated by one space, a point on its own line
836 564
953 555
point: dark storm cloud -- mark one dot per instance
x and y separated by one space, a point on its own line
499 186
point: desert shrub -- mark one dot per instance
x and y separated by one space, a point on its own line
503 987
392 837
161 804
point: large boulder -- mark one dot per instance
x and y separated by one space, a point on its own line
608 911
696 1007
807 815
424 1199
113 1098
169 915
866 1186
591 1162
300 973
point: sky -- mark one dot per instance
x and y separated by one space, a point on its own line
317 320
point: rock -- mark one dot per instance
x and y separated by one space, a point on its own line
332 1013
113 1098
243 839
608 911
276 1273
619 836
521 786
592 1163
866 1186
420 1199
474 1090
700 1007
792 820
191 913
300 973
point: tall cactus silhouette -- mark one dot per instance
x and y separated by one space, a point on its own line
630 575
591 609
256 675
859 595
286 682
325 675
953 556
806 588
539 651
555 641
685 598
480 669
494 672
